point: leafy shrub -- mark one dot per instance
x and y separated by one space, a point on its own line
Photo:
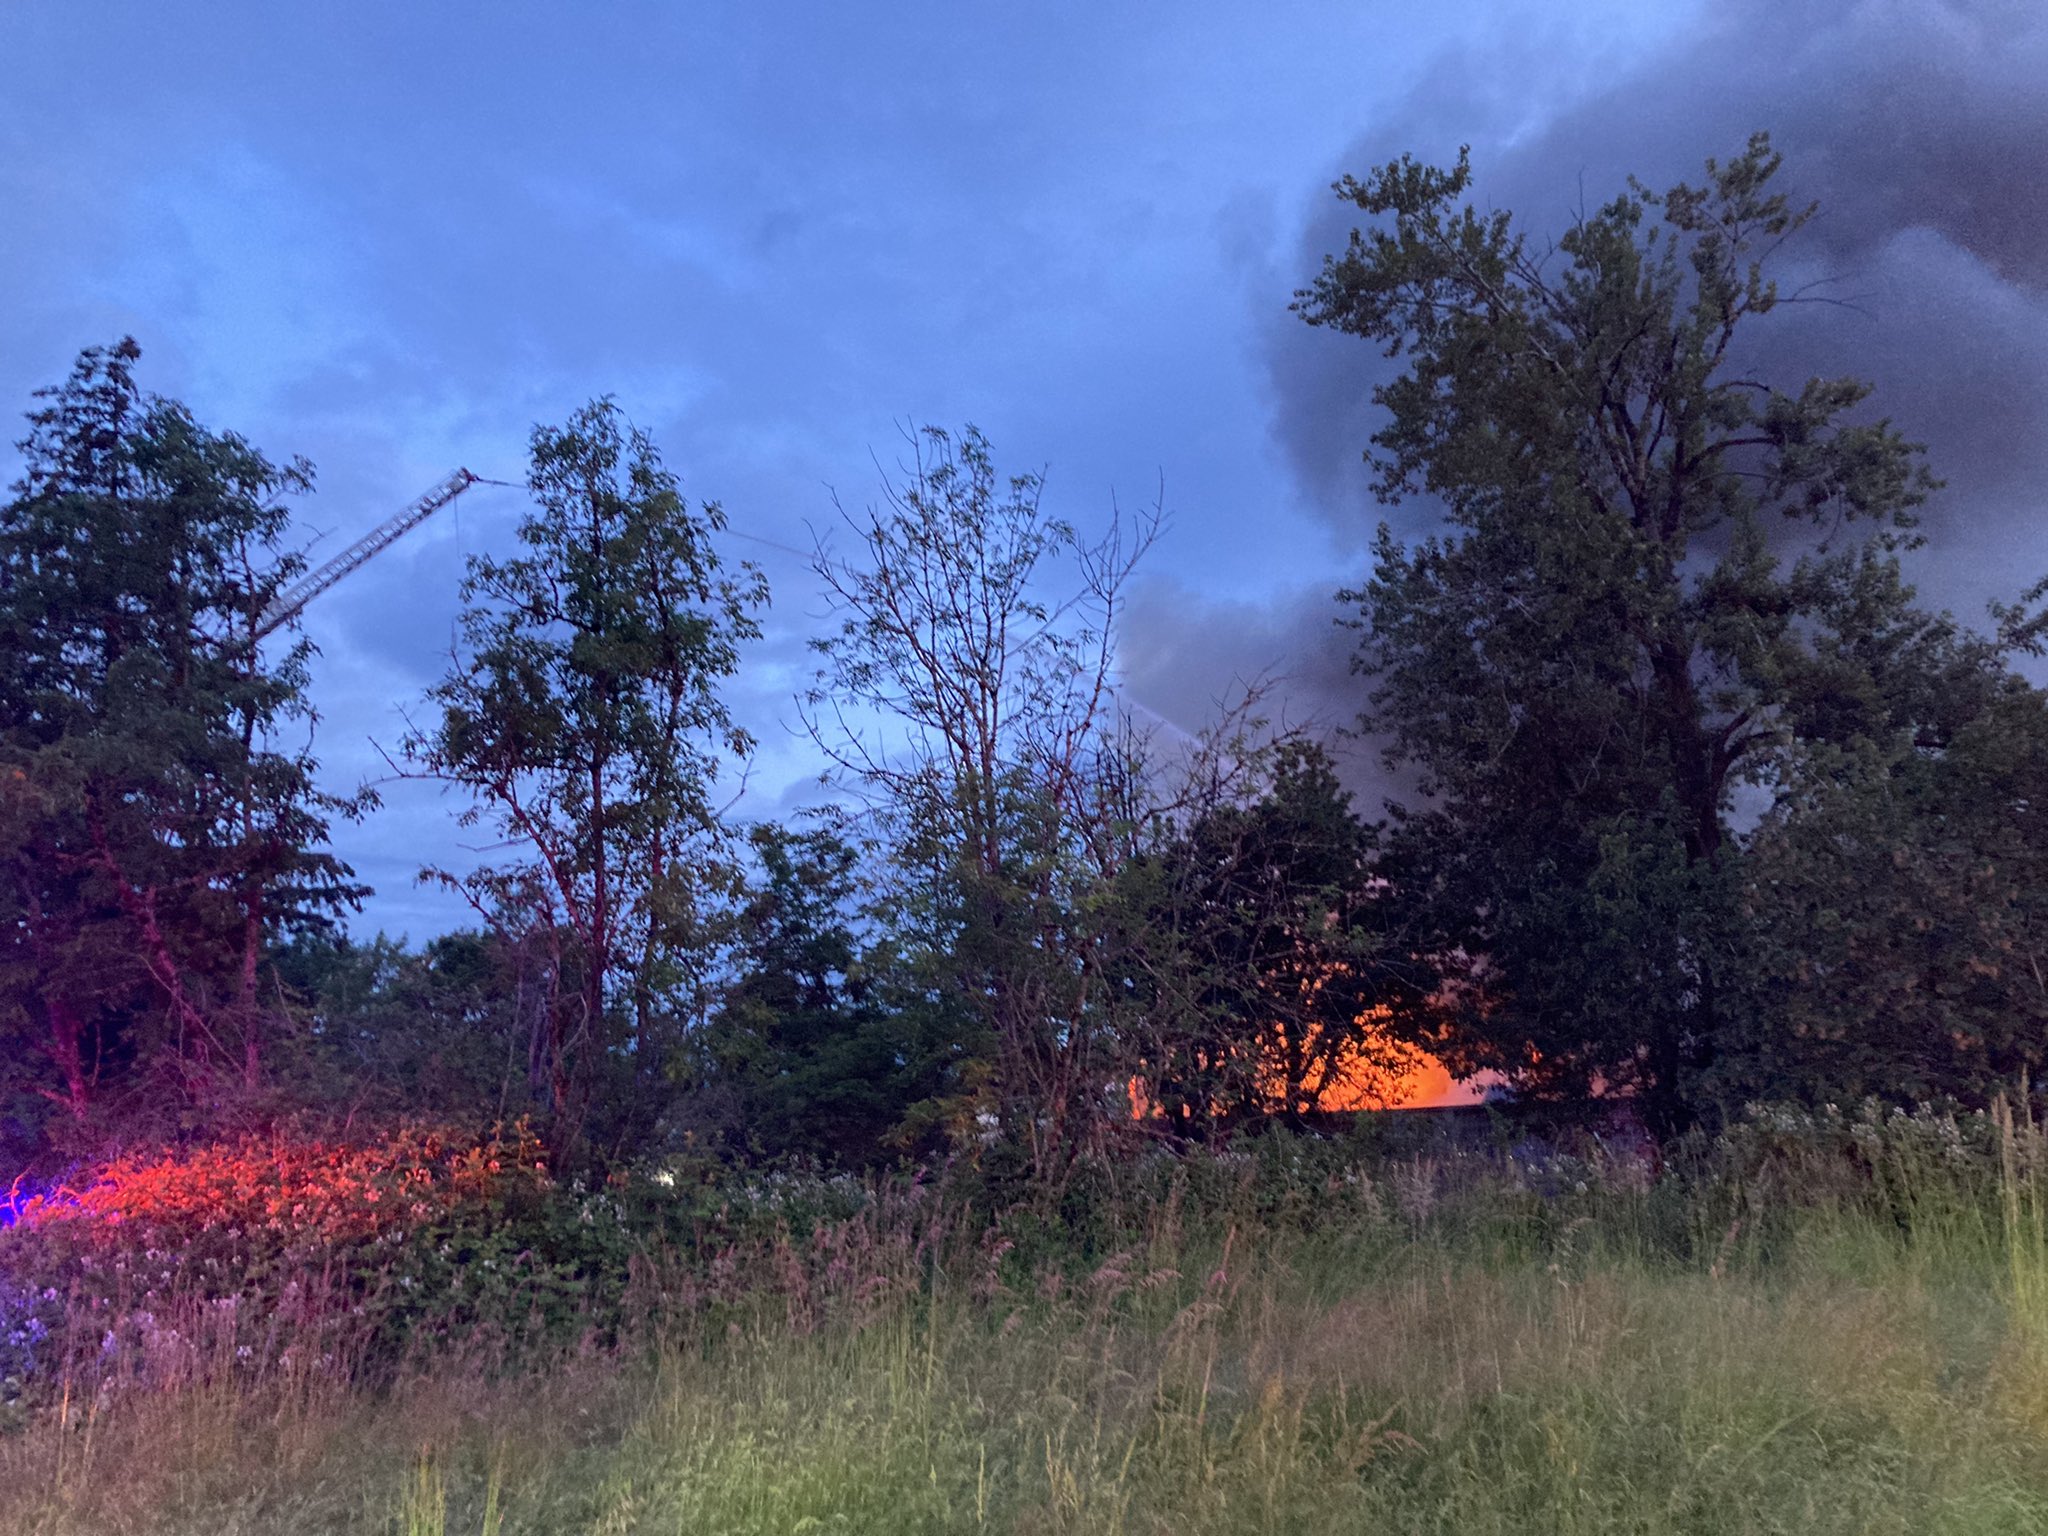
333 1246
282 1256
26 1318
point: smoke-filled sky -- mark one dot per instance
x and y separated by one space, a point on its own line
392 236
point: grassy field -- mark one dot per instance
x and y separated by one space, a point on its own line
1308 1340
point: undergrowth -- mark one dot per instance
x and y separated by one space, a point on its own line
1813 1323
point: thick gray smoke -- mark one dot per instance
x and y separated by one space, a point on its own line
1921 128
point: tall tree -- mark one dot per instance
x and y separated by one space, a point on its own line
584 720
1603 644
967 693
158 833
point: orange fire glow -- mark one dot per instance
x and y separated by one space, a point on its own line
1372 1072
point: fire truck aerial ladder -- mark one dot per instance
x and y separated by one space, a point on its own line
286 605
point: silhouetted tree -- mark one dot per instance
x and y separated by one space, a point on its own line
967 695
584 720
158 832
1265 958
823 1042
1602 647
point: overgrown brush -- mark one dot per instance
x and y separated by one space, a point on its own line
1829 1322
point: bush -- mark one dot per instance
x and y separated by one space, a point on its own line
361 1249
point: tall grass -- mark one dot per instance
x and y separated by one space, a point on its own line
1819 1334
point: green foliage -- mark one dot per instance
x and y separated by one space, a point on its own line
1265 969
967 695
585 723
1283 1337
155 835
448 1031
1899 896
1604 645
825 1050
358 1251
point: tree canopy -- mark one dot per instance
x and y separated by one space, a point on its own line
583 718
1662 582
158 832
1707 806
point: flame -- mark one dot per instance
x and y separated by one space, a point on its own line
1360 1077
1372 1069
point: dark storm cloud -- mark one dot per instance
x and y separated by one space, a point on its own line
1191 656
1919 126
1190 659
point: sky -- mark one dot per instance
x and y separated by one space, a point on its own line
393 237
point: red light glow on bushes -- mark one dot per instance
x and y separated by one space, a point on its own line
304 1188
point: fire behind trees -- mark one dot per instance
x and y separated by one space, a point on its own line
1661 588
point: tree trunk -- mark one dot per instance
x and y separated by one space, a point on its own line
67 1046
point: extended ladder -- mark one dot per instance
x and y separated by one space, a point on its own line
309 586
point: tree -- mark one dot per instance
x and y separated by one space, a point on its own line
967 694
824 1048
585 722
1898 890
1604 644
1264 950
157 834
452 1030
